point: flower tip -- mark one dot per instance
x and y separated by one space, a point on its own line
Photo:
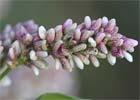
87 21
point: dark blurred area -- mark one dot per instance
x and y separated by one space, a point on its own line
106 82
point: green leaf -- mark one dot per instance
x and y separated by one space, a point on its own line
56 96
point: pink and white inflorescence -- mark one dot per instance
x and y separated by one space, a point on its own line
69 44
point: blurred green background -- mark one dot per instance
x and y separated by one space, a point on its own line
120 81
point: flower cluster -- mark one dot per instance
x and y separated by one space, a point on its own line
68 44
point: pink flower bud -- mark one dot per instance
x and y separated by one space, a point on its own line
50 35
103 48
30 26
97 24
99 37
59 34
81 26
17 47
104 21
27 38
84 59
85 35
116 36
70 28
110 26
94 61
117 52
67 23
87 22
79 47
117 43
42 53
11 54
65 64
57 45
40 43
116 29
77 34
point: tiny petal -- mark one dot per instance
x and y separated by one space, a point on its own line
67 23
128 56
94 61
77 34
70 28
119 42
42 32
93 51
27 38
78 62
79 47
87 21
103 48
66 64
57 64
35 70
92 42
115 36
11 53
84 59
115 30
42 53
99 37
111 59
50 35
104 21
40 64
110 26
57 45
85 35
97 24
101 55
59 34
32 55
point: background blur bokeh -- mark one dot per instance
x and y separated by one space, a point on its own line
120 81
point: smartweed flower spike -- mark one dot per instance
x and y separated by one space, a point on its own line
68 44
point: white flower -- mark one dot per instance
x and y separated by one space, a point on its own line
35 70
111 59
87 21
78 62
42 53
57 64
128 56
11 53
79 47
32 55
94 61
92 42
42 32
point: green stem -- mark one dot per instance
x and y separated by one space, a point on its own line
5 72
